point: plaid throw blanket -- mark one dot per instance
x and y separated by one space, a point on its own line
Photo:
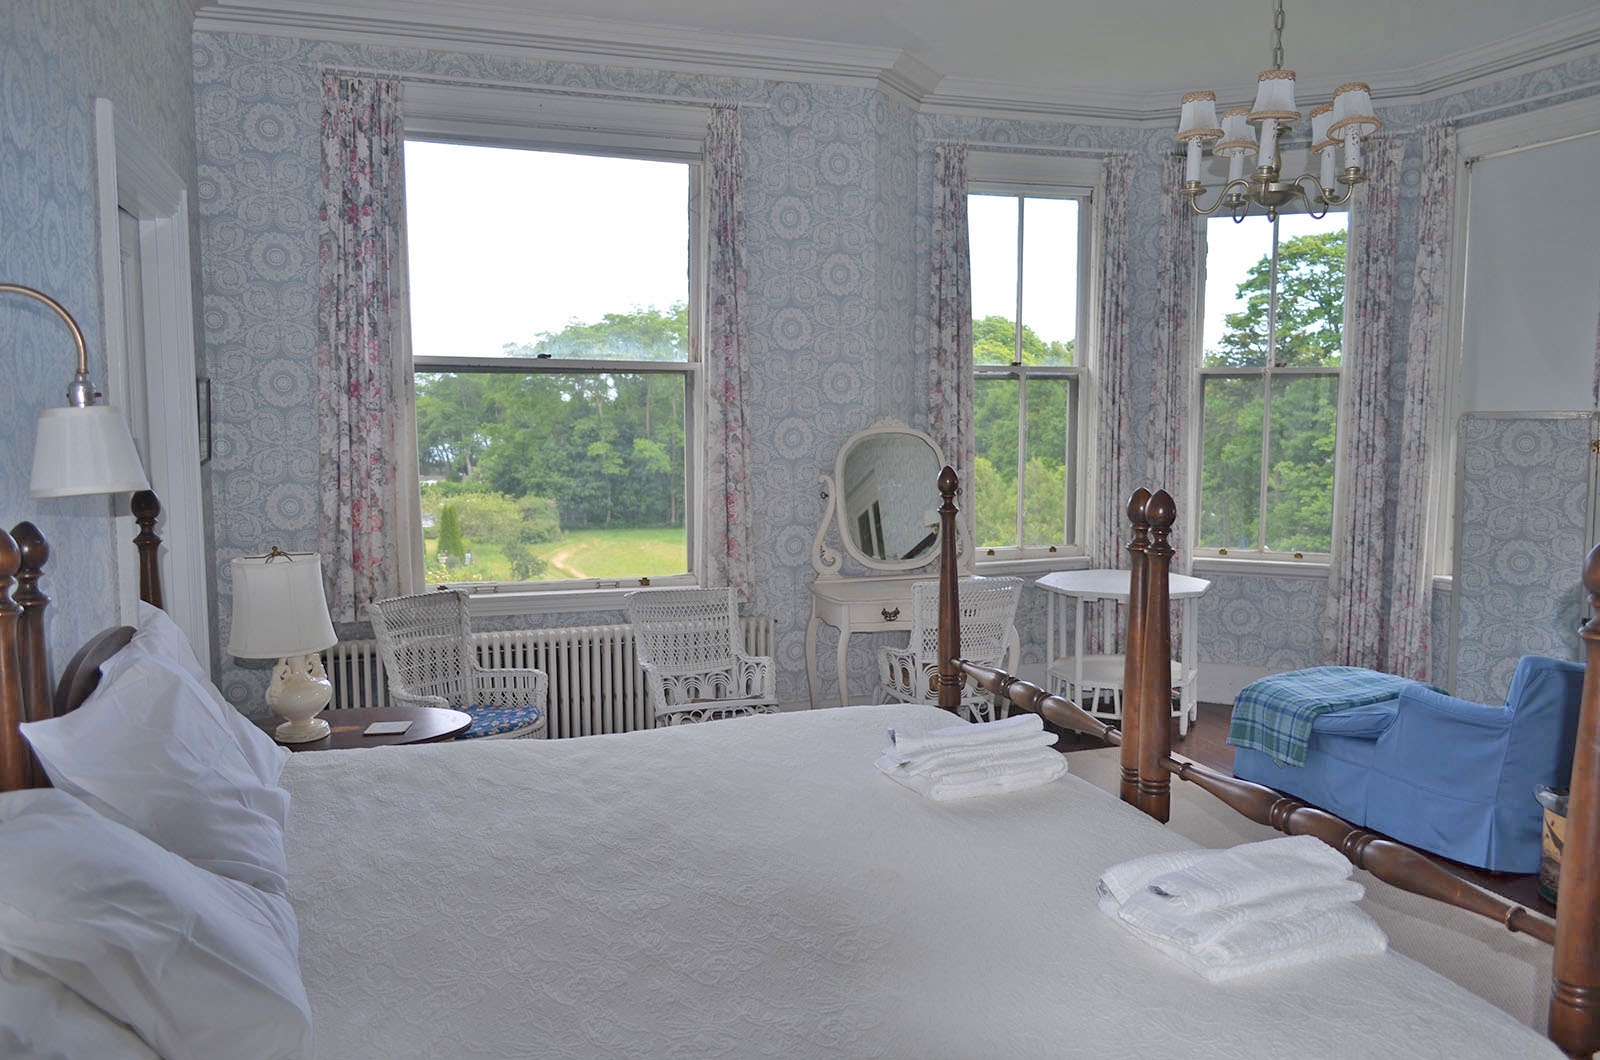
1274 715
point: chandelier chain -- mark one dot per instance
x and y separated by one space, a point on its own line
1277 35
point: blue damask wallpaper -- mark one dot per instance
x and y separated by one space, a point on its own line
55 58
836 212
1524 515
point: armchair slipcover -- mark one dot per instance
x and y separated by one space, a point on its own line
1443 774
988 611
425 641
688 642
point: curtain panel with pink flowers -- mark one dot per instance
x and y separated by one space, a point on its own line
361 375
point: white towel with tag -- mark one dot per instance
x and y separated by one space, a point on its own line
1251 871
1039 767
994 752
1152 915
965 735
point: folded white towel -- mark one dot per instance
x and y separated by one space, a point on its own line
1256 946
1154 916
989 753
965 735
1250 871
1125 879
1041 767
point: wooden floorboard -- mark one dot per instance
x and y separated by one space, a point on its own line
1207 743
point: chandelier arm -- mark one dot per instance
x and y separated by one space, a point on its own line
1234 190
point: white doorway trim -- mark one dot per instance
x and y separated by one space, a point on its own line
132 177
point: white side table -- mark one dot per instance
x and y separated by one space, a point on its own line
1094 682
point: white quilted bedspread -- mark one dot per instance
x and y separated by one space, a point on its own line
754 888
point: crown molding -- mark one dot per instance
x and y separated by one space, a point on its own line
497 28
501 29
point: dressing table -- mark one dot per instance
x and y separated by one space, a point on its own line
882 504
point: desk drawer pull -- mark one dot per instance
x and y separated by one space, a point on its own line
890 613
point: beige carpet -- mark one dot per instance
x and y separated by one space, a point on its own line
1509 970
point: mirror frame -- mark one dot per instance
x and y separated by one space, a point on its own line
827 561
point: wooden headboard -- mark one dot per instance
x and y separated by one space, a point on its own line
25 693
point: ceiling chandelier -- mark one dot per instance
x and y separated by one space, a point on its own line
1343 123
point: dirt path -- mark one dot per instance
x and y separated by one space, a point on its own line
561 561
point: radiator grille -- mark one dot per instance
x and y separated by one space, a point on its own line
596 685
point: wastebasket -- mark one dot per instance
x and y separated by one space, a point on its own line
1554 841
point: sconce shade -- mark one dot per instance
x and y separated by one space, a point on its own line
80 450
279 609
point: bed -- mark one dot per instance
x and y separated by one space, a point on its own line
753 887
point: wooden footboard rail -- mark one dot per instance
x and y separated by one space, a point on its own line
1148 767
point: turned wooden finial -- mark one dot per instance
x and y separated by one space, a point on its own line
146 509
1133 645
13 752
949 679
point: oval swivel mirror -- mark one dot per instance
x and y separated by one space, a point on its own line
886 498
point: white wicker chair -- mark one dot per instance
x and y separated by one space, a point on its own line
426 645
988 611
688 643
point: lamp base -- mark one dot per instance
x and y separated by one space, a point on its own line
302 731
299 690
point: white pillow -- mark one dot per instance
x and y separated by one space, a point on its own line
40 1019
200 966
157 750
159 636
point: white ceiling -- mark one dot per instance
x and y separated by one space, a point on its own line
1114 58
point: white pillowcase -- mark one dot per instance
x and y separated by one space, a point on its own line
202 967
40 1019
157 749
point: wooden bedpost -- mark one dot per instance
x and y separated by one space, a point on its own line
1155 687
1575 972
950 678
13 753
1133 646
146 508
34 552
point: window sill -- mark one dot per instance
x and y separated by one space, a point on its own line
1292 568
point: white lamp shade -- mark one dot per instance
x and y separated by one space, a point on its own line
1237 136
81 450
279 609
1198 119
1275 97
1352 111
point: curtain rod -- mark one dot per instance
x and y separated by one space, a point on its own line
562 90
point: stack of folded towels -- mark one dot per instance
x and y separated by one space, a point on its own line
1251 908
962 761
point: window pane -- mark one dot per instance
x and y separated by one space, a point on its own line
1238 291
1230 464
1300 457
992 232
535 252
1049 280
995 412
1052 462
552 477
1311 260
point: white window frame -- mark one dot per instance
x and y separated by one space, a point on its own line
517 118
1050 177
1261 559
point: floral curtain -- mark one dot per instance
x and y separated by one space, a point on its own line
1354 615
727 366
1113 439
950 384
1114 358
1172 354
1411 594
361 374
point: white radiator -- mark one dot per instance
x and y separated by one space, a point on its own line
596 685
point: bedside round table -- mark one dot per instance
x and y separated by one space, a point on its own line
428 725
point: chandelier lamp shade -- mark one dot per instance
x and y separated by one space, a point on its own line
81 448
1339 126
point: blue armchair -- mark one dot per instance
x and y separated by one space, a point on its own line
1440 773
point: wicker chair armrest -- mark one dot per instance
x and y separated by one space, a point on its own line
399 697
509 687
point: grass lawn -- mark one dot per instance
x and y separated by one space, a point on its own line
630 553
